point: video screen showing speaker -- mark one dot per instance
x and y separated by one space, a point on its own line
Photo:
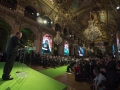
81 51
118 44
113 50
46 44
66 48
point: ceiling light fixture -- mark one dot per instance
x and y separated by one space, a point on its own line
92 32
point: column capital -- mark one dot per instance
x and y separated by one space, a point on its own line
20 9
35 37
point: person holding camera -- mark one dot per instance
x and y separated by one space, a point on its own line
98 79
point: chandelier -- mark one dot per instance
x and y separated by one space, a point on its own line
92 32
57 39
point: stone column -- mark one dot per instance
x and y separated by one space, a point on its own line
37 42
61 48
72 50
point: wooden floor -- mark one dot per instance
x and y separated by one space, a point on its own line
69 80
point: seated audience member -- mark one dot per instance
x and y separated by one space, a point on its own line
98 79
70 66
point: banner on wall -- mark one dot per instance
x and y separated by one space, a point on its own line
66 48
113 50
118 44
46 44
80 51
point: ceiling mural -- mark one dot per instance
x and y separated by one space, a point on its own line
102 15
84 19
45 9
51 1
76 14
76 4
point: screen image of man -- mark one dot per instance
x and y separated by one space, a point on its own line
45 47
12 49
80 51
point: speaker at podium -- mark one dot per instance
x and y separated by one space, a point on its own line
22 74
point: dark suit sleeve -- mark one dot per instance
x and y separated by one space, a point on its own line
111 65
17 42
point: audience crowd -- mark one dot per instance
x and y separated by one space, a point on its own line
103 73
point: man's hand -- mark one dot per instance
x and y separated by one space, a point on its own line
26 46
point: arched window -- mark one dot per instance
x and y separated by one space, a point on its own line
47 21
65 31
27 37
4 34
30 12
57 27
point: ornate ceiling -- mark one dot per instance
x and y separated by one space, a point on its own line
77 14
74 15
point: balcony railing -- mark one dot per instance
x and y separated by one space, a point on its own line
30 16
8 5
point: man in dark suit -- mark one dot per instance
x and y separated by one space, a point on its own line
13 45
111 74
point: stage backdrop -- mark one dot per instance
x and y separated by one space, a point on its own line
66 48
46 44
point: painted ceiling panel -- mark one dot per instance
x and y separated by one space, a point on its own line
84 19
76 4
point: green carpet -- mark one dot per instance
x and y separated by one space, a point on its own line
35 80
54 72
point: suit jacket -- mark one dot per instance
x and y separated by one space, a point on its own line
13 45
111 71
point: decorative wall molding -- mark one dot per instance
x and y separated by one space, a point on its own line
20 19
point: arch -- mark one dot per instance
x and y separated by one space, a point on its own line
33 29
28 36
37 6
9 22
65 31
4 35
57 27
47 21
30 12
31 9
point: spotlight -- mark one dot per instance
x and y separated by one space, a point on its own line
39 20
45 21
51 22
38 14
118 7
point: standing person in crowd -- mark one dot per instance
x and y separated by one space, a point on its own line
110 67
98 79
13 45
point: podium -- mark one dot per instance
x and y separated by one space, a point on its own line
22 73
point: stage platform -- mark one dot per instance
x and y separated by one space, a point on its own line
29 79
